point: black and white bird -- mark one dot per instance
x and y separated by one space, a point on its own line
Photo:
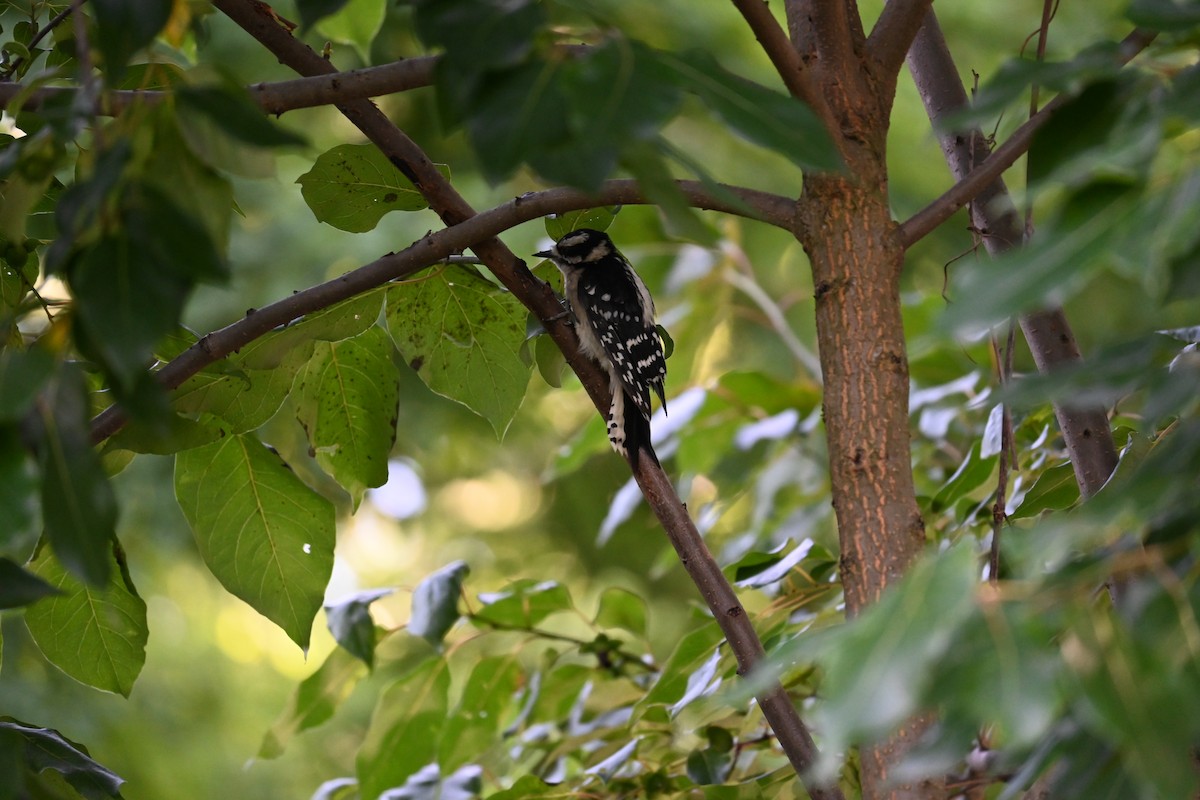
614 320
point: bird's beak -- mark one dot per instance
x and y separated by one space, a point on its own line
546 253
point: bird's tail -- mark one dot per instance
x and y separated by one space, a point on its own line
629 429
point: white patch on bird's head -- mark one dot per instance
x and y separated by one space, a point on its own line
583 246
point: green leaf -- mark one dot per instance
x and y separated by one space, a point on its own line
598 219
1052 267
480 34
15 282
463 335
313 701
352 186
475 724
524 603
1054 490
618 94
22 373
550 360
435 602
47 749
166 436
877 665
126 26
231 109
405 729
1140 699
528 786
708 766
266 536
517 113
1006 670
340 321
1111 131
313 10
78 506
691 654
571 119
970 475
131 286
18 497
1174 16
347 396
647 165
768 118
356 23
621 608
1015 76
95 635
351 625
775 570
243 399
19 587
195 188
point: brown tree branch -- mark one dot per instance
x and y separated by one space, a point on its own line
273 98
795 74
931 59
894 32
831 23
255 18
1086 431
433 248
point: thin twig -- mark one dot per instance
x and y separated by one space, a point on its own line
626 658
1049 8
1004 363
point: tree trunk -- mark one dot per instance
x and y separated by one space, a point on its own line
856 269
856 262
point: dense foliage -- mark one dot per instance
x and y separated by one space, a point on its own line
409 426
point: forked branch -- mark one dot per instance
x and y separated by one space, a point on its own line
256 19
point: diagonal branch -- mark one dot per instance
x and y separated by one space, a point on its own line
894 31
429 250
795 74
931 59
794 737
273 98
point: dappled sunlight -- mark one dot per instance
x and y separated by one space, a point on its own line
491 502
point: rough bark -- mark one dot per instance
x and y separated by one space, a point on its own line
846 227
